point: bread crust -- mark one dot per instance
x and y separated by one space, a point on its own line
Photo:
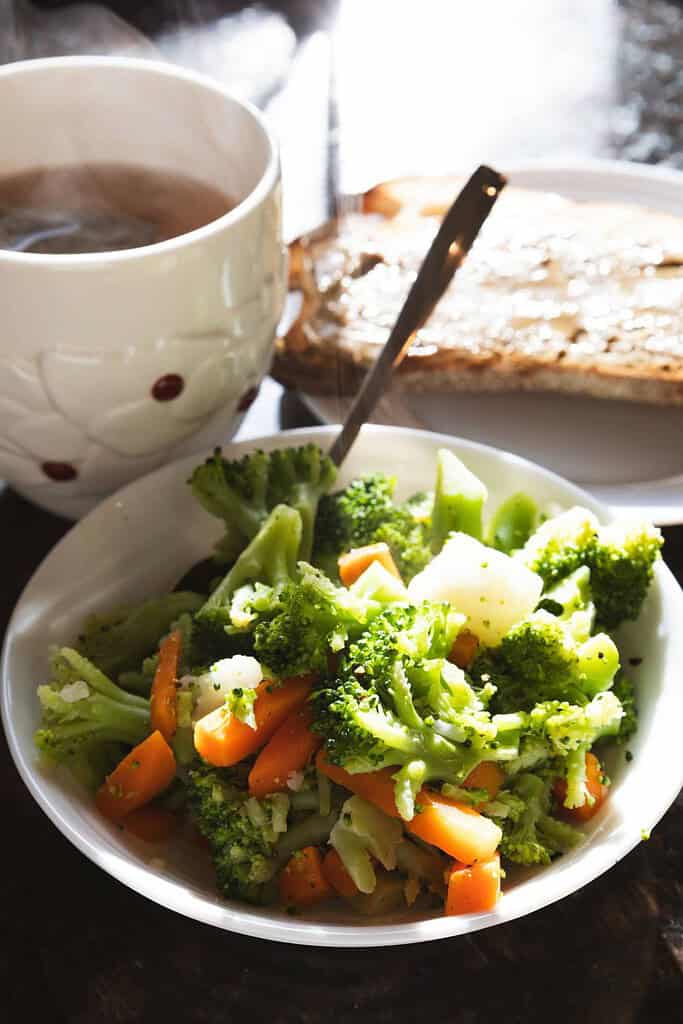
488 336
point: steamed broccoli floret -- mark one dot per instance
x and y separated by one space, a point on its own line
539 659
561 544
364 513
297 626
408 541
234 491
243 492
298 618
570 726
396 701
556 732
242 832
270 559
530 834
84 713
620 557
119 641
349 518
622 567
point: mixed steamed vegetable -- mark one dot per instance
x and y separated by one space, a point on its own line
380 702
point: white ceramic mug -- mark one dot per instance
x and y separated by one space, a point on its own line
113 363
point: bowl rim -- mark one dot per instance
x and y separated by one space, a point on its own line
239 918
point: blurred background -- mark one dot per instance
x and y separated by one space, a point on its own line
361 90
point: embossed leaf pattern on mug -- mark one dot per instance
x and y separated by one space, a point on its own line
82 418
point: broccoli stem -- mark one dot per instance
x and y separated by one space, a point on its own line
409 782
513 523
459 499
97 680
577 791
119 642
271 558
309 832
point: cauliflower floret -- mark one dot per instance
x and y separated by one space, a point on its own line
212 688
493 590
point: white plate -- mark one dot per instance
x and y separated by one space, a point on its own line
141 540
628 455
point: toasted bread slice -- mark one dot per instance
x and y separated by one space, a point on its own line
556 295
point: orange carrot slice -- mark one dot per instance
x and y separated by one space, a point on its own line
353 563
142 774
288 750
223 740
473 889
163 697
457 829
375 787
486 775
302 882
337 876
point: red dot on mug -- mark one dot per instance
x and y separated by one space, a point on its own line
168 387
247 399
59 471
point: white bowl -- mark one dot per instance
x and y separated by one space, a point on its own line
141 540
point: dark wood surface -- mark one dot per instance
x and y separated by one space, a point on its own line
77 947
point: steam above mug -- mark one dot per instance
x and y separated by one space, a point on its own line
112 363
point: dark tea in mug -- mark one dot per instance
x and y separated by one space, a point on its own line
102 208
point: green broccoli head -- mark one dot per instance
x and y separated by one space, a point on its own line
570 726
86 718
242 492
556 732
620 558
234 490
408 541
622 566
306 621
530 834
395 700
292 626
349 518
540 659
242 832
364 513
561 544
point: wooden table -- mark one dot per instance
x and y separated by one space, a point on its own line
78 947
